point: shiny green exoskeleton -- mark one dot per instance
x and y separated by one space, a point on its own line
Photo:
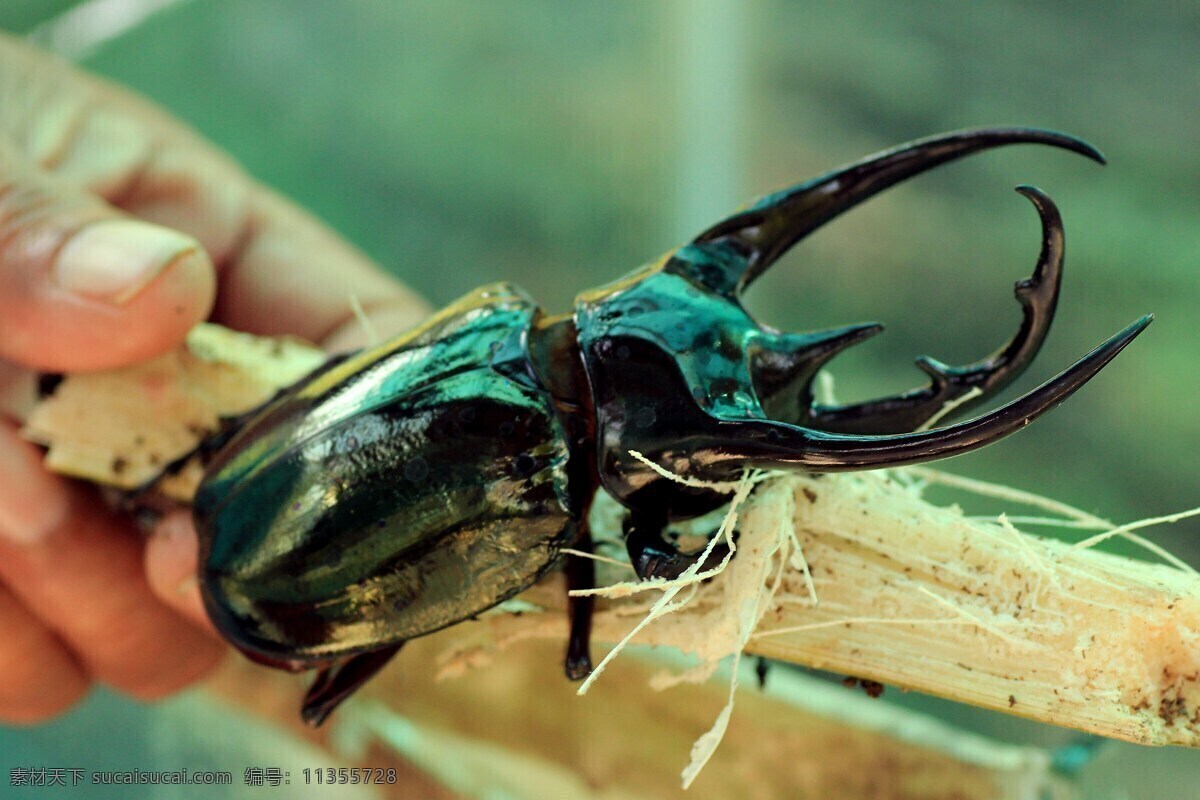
405 488
418 483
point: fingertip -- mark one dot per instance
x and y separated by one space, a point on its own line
112 260
187 284
172 555
191 665
45 706
42 679
119 291
142 321
160 315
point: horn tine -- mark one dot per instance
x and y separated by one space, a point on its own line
782 373
765 443
1038 296
827 344
773 224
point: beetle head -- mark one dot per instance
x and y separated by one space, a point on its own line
682 373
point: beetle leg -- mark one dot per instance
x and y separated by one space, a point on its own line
340 680
648 551
1038 296
766 443
754 239
581 574
761 667
652 555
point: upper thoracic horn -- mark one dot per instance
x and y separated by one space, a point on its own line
770 226
783 367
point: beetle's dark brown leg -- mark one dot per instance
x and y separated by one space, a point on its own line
340 680
761 667
652 555
581 574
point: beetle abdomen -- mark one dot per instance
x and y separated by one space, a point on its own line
420 509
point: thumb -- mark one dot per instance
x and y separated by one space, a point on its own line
83 286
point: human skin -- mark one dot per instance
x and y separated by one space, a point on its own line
120 229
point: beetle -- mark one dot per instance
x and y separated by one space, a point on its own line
412 485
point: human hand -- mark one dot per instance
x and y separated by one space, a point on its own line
120 229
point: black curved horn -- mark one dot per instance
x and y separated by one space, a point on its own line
766 443
773 224
1038 296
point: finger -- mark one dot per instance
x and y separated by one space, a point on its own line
384 320
171 563
39 678
282 270
84 287
19 392
173 182
294 275
32 501
107 140
83 579
85 582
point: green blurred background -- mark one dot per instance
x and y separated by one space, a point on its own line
559 145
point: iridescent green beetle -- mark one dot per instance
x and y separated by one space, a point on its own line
418 483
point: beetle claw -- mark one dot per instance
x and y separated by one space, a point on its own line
341 679
1038 296
652 556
